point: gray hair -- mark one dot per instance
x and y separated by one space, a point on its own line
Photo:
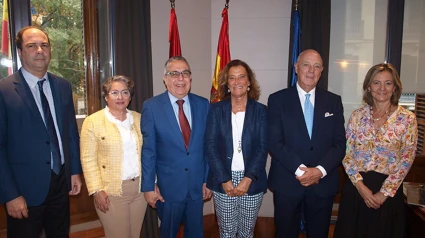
172 59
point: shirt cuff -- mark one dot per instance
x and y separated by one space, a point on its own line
386 193
322 170
299 172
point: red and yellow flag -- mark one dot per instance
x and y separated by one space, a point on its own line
5 30
223 54
173 35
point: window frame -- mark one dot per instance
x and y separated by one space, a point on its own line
20 16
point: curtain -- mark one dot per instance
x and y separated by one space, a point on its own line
133 54
133 58
315 20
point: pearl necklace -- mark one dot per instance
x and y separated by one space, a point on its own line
377 119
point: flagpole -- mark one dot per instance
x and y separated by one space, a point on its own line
296 42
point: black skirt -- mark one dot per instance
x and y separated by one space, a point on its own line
356 220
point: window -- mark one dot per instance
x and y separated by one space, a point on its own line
63 21
358 36
5 56
413 47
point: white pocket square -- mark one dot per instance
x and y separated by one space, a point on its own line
328 114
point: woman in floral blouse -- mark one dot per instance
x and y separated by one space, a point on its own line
381 146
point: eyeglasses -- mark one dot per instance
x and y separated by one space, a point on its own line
176 74
124 93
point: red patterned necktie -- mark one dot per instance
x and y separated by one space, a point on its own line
184 124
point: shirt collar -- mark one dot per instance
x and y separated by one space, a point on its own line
31 79
302 93
128 121
173 99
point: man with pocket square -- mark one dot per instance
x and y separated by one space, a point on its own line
307 144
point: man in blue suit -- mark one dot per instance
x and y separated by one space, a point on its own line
174 168
39 164
305 152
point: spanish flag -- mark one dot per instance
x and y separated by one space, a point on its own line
5 30
173 35
223 54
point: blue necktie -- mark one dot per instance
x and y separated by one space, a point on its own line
308 114
51 130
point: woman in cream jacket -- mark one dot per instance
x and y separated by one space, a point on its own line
111 144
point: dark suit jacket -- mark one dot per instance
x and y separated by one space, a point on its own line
180 172
290 144
24 142
219 145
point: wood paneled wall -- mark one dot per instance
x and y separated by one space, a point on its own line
81 209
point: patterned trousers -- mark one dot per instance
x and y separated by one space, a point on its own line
236 216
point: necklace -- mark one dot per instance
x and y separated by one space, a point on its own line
239 107
238 133
377 119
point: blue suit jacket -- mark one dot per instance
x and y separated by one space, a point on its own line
24 142
290 144
180 172
219 145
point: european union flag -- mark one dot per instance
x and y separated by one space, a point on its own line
296 43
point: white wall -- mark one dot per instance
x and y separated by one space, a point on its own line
259 34
194 21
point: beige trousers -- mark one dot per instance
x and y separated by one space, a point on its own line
125 216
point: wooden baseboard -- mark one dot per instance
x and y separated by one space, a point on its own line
83 218
263 228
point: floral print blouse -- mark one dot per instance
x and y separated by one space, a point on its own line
388 150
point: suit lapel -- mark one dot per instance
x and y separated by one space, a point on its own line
171 117
249 116
195 120
319 108
54 87
297 109
227 116
23 89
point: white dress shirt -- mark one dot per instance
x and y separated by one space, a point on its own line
186 108
32 83
301 95
237 128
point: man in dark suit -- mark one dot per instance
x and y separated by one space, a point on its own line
305 152
39 143
174 168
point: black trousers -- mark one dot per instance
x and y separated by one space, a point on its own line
52 215
287 214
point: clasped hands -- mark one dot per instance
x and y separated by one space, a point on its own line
311 176
371 200
240 190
